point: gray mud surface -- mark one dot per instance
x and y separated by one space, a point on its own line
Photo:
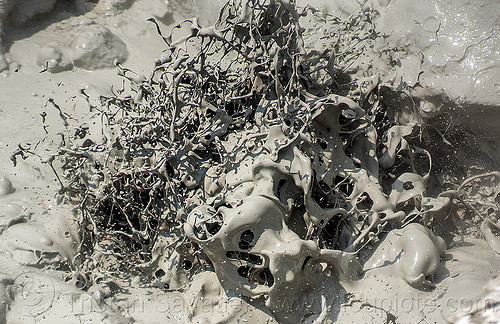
251 161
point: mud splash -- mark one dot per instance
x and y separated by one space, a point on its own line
248 153
274 179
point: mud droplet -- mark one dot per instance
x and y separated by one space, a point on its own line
5 186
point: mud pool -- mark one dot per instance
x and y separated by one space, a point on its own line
271 162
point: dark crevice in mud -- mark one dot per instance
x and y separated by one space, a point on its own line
246 239
409 206
281 184
330 233
130 207
256 276
265 277
364 202
213 228
159 273
187 264
244 256
343 185
322 199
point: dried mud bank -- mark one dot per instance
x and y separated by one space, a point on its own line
286 164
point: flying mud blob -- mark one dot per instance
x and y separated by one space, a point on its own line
5 186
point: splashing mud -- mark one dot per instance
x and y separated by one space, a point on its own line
290 169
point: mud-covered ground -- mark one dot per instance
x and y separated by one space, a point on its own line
433 67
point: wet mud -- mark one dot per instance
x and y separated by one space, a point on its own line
271 161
